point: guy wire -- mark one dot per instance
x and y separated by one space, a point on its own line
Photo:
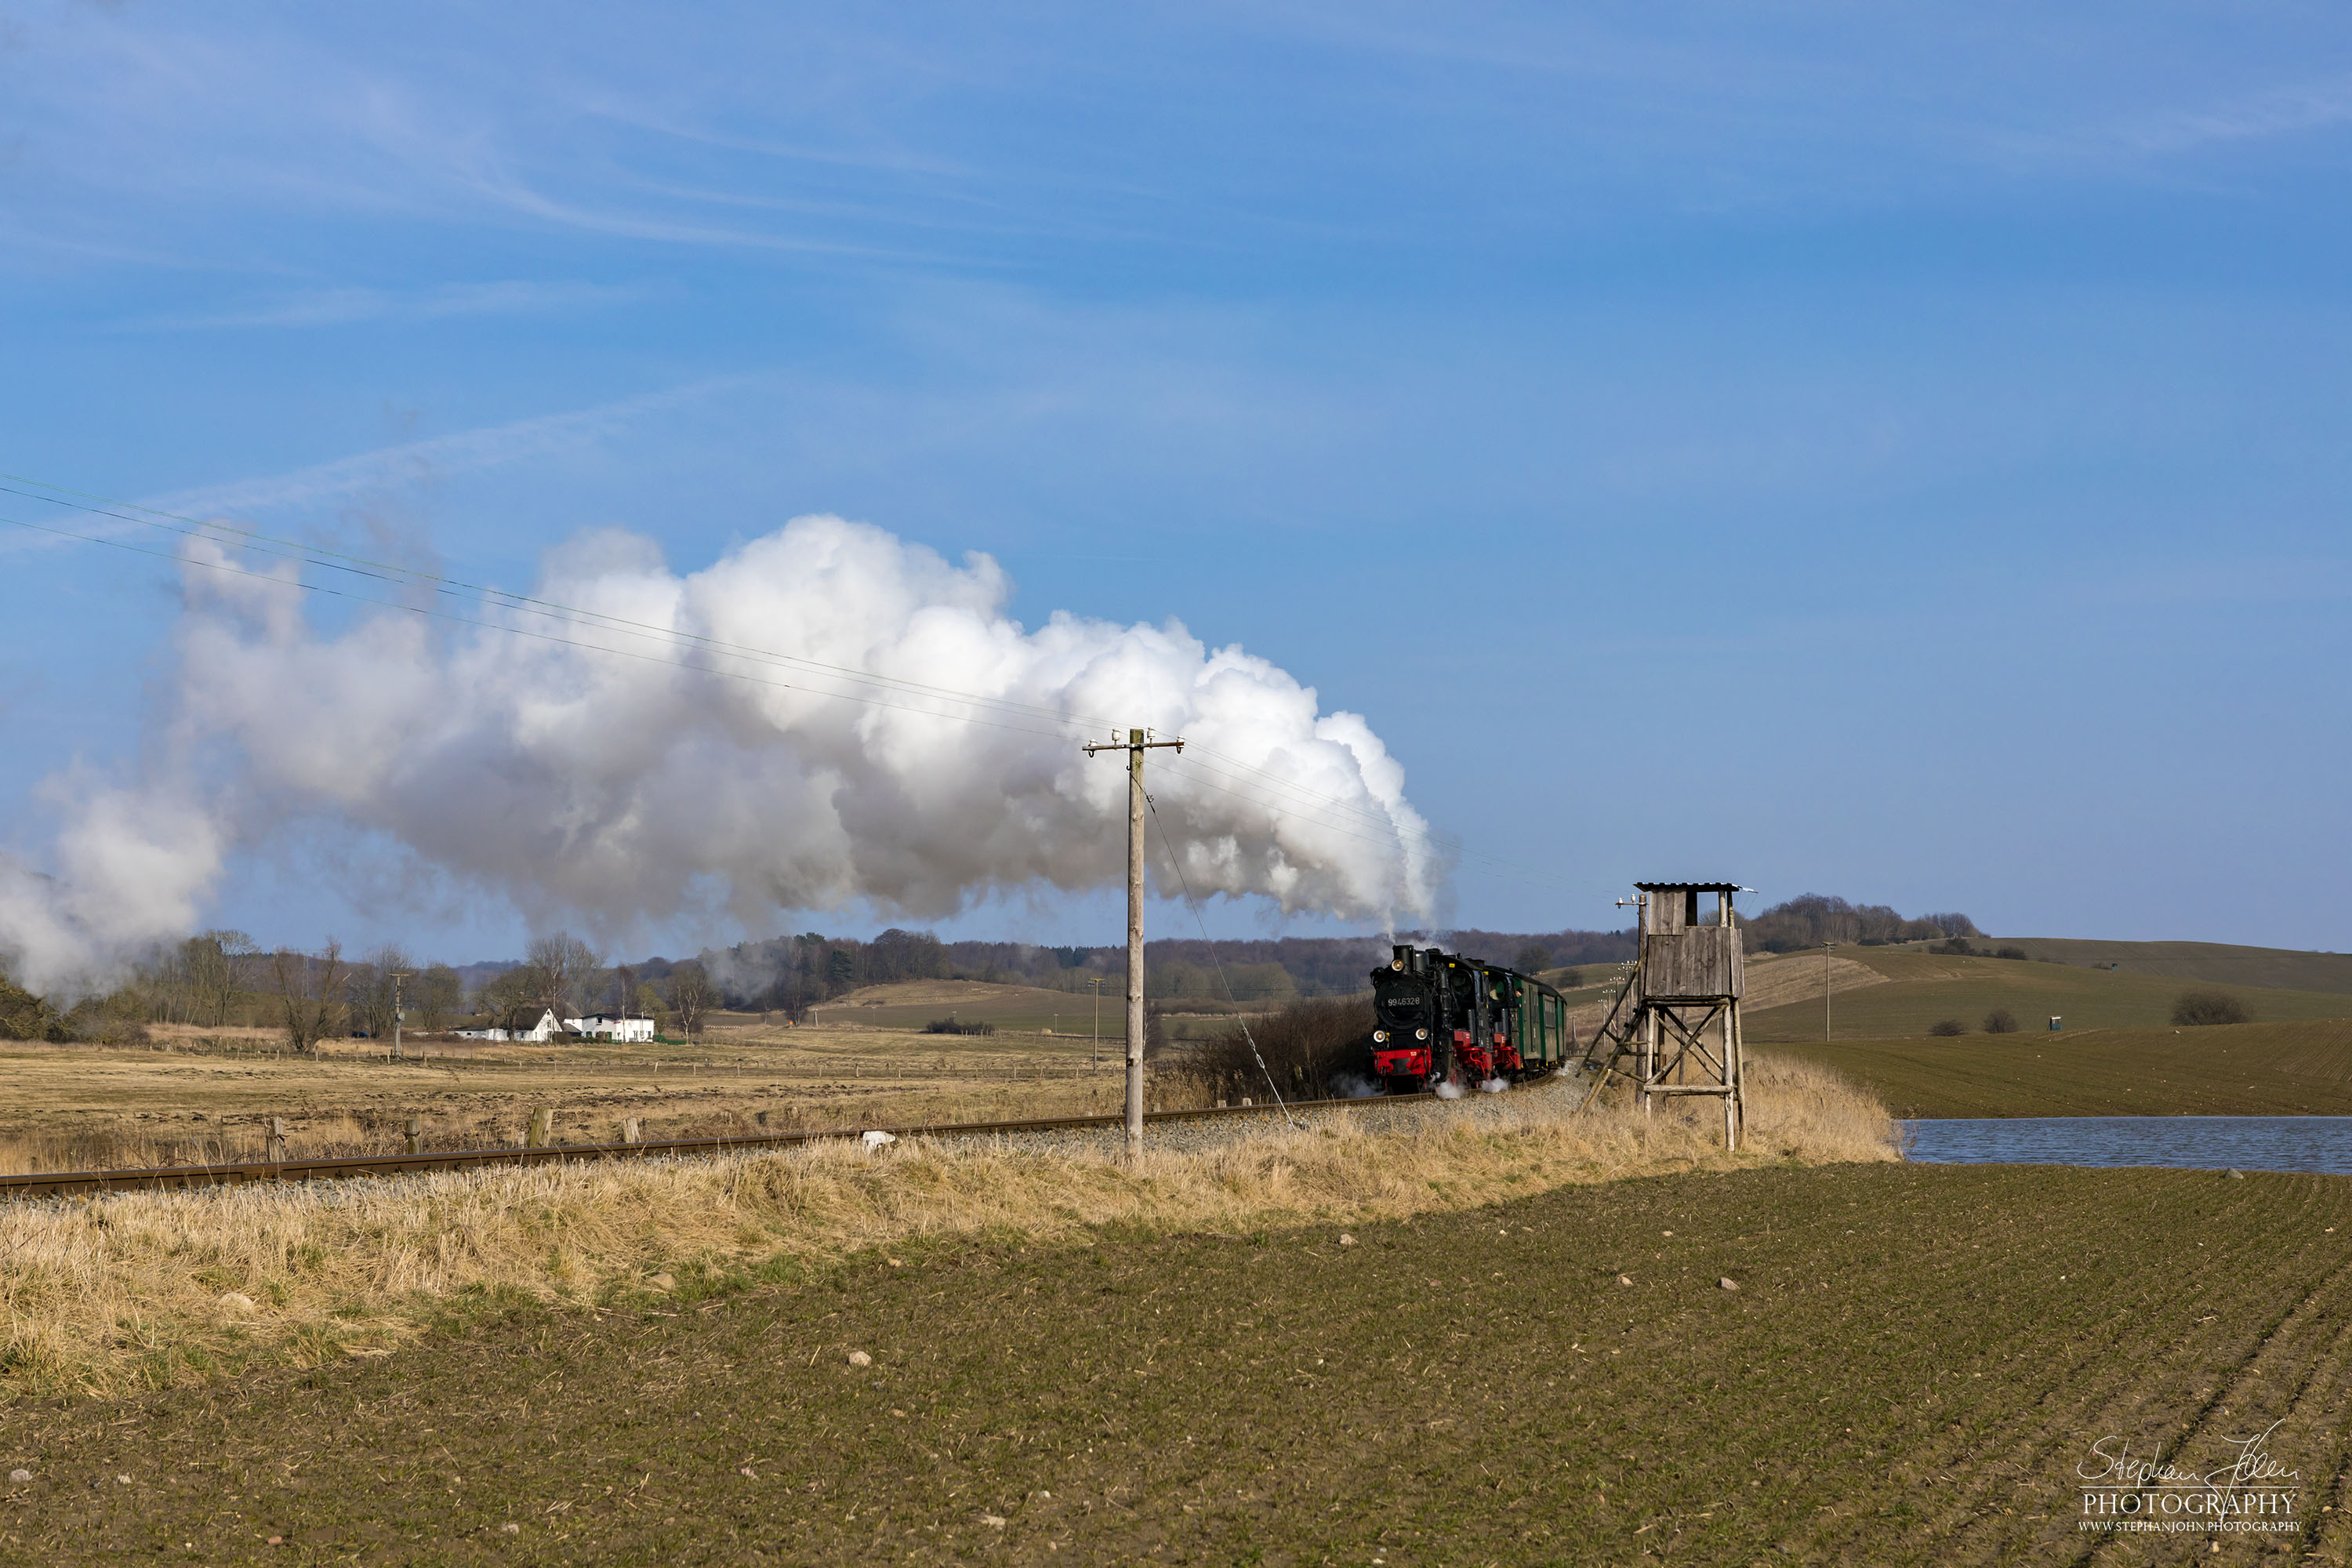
1186 883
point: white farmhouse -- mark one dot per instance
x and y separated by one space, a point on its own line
532 1024
621 1029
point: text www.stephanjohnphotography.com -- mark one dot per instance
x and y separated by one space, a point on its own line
2252 1491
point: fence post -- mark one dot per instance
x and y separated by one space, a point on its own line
416 1135
542 1121
628 1130
274 1150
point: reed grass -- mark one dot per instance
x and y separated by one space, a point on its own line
131 1290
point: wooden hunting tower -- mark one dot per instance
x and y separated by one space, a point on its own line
1674 1026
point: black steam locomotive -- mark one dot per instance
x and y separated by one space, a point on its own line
1441 1018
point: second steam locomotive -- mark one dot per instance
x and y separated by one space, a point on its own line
1441 1019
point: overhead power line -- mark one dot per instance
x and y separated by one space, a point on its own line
1268 789
524 632
394 573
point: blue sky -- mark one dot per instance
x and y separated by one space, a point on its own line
1889 451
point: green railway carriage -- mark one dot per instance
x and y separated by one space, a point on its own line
1441 1018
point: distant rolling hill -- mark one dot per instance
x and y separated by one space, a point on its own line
1902 991
2237 1069
1020 1009
2275 968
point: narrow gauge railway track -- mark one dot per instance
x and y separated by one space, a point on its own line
65 1184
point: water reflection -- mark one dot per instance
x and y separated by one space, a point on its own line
2192 1142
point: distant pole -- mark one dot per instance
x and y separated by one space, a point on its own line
1135 746
398 976
1825 991
1094 1055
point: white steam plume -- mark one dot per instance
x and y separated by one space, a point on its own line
582 783
134 866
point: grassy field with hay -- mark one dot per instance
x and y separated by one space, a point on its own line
1912 1365
144 1289
2235 1069
195 1098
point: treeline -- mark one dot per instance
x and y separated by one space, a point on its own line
223 980
790 975
1815 918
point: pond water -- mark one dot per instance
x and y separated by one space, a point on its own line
2192 1142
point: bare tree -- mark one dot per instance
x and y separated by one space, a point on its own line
690 997
209 963
372 991
240 956
439 992
504 991
309 993
559 965
650 1004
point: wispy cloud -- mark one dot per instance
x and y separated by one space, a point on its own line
350 307
466 451
2286 111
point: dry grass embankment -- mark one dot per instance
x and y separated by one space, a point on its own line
141 1289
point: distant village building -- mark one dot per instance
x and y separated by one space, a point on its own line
532 1024
622 1029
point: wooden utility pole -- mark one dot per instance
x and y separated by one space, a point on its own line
1135 746
1825 991
398 976
1094 1055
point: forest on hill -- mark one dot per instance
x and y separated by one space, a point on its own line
225 977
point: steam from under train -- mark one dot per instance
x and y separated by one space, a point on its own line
621 768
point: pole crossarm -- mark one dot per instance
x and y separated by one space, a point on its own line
1094 746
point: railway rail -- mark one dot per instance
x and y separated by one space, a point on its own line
68 1184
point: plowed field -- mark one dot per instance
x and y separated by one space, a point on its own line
1913 1367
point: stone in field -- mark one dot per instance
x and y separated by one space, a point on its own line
859 1358
236 1302
1728 1283
20 1475
664 1280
